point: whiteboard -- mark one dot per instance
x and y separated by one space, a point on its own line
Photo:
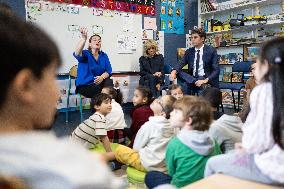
121 32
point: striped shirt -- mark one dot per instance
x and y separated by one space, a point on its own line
88 132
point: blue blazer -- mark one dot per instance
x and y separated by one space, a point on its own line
211 65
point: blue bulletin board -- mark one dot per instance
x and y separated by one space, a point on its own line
172 16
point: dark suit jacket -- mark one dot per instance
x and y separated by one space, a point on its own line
211 65
151 65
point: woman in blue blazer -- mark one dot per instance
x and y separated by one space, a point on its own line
94 68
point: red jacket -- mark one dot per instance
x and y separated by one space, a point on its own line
139 115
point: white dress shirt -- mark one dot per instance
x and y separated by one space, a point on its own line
201 71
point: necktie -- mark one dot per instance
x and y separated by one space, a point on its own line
197 64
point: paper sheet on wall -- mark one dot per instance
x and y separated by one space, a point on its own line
160 41
128 23
98 29
147 34
188 41
126 44
150 23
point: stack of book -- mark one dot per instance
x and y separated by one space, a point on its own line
207 6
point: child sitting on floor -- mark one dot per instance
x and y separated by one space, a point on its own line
176 91
92 130
149 148
115 119
141 112
28 96
187 154
260 157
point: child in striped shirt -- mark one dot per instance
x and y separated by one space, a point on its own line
93 130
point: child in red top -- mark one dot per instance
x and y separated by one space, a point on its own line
141 112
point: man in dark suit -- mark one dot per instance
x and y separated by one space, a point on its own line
203 64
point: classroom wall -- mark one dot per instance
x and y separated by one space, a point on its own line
172 41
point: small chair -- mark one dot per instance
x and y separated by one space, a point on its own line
73 75
243 67
135 177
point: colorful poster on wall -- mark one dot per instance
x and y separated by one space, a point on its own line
136 6
172 16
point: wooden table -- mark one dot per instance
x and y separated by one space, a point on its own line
219 181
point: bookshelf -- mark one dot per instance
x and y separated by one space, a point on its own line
252 32
260 3
241 37
249 27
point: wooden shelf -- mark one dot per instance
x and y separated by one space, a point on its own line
240 45
260 3
247 28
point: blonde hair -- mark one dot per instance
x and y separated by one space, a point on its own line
196 108
150 43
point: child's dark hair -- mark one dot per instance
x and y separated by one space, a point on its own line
273 52
173 87
115 94
196 108
5 8
100 98
146 93
200 32
90 39
213 95
23 46
168 105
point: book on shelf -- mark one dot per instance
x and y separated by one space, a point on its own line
237 77
227 77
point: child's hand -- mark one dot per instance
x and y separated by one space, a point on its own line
106 143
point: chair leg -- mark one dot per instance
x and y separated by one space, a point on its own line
67 106
222 107
239 99
234 102
81 108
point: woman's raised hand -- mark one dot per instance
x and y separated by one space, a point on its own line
84 32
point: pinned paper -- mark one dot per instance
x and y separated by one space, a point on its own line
98 12
147 34
126 44
98 29
128 22
160 39
150 23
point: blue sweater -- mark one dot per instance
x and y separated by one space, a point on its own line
89 67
